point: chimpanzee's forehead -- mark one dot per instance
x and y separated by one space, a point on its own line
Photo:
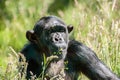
50 21
54 23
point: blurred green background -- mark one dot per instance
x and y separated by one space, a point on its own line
96 24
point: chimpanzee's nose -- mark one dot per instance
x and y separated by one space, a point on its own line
57 37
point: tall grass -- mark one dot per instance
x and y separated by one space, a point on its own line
96 24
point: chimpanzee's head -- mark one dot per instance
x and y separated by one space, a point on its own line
51 35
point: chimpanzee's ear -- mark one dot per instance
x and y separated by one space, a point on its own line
70 28
31 36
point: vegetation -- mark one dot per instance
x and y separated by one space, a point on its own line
96 24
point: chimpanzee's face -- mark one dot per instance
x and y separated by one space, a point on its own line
52 34
55 37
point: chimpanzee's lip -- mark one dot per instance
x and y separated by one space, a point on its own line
60 45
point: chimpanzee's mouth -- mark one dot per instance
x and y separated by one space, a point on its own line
58 49
60 45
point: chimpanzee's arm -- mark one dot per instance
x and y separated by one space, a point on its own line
86 61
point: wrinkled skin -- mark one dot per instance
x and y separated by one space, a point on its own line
53 36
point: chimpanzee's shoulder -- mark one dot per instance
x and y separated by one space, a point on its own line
77 46
74 42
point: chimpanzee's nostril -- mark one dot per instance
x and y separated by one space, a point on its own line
60 39
56 39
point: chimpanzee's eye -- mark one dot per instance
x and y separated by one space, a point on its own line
62 30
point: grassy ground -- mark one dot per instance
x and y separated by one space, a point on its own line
96 24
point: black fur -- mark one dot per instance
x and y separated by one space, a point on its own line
49 35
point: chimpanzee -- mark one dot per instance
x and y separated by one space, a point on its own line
50 37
